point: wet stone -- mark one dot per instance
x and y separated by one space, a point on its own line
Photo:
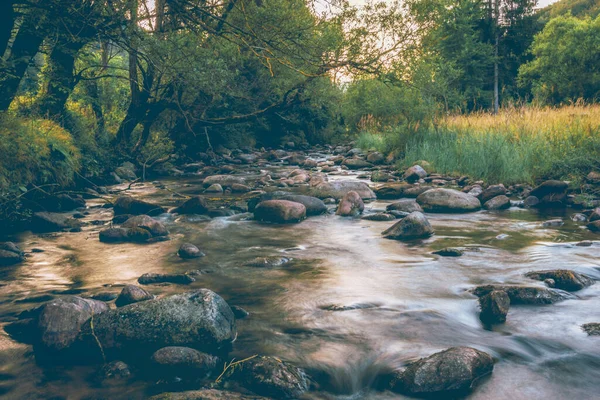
592 329
494 307
379 217
188 251
449 252
564 279
268 262
132 294
182 279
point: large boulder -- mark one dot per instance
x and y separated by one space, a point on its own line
351 205
494 307
448 201
314 206
531 295
551 193
132 294
153 226
490 192
338 189
392 190
405 205
194 205
414 226
279 211
43 222
200 319
269 376
452 372
59 321
129 205
563 279
414 173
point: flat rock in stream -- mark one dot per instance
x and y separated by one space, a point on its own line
129 205
379 217
357 306
563 279
447 374
531 295
148 223
45 222
448 201
338 189
201 320
181 279
449 252
206 394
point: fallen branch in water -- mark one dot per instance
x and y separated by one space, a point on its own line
232 364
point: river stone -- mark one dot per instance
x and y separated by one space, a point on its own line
414 226
194 205
551 193
452 372
592 329
448 200
269 376
10 254
406 205
206 394
188 250
129 205
60 320
356 163
494 307
500 202
113 371
200 319
449 252
132 294
414 173
380 176
490 192
153 226
415 190
379 217
338 189
279 211
43 222
183 362
392 190
532 295
314 206
564 279
594 226
114 235
351 205
375 157
268 262
223 180
182 279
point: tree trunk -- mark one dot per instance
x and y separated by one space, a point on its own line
24 48
7 23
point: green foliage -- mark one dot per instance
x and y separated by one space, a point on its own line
577 8
567 62
158 148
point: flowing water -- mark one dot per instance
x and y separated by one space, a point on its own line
412 303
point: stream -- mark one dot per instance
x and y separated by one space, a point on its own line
405 302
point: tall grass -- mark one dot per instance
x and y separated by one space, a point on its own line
520 145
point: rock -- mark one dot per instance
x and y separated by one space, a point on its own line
351 205
592 329
452 372
391 190
314 206
43 222
214 188
531 201
115 235
10 254
60 320
526 294
61 203
338 189
341 307
375 158
153 226
195 205
494 307
406 205
223 180
414 173
188 250
413 226
553 223
268 262
356 163
279 211
182 362
182 279
593 177
380 176
132 294
126 171
551 193
269 376
449 252
308 163
239 312
200 319
379 217
448 200
113 371
584 243
129 205
490 192
594 226
206 394
564 279
500 202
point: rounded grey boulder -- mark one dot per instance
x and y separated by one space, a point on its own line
448 201
414 226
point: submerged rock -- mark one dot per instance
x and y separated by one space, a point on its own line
132 294
338 189
379 217
494 307
113 371
206 394
129 205
188 251
351 205
592 329
200 319
182 279
563 279
448 200
452 372
43 222
223 180
10 254
279 211
532 295
182 362
449 252
268 262
414 226
270 376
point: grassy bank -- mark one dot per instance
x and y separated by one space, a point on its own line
517 146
